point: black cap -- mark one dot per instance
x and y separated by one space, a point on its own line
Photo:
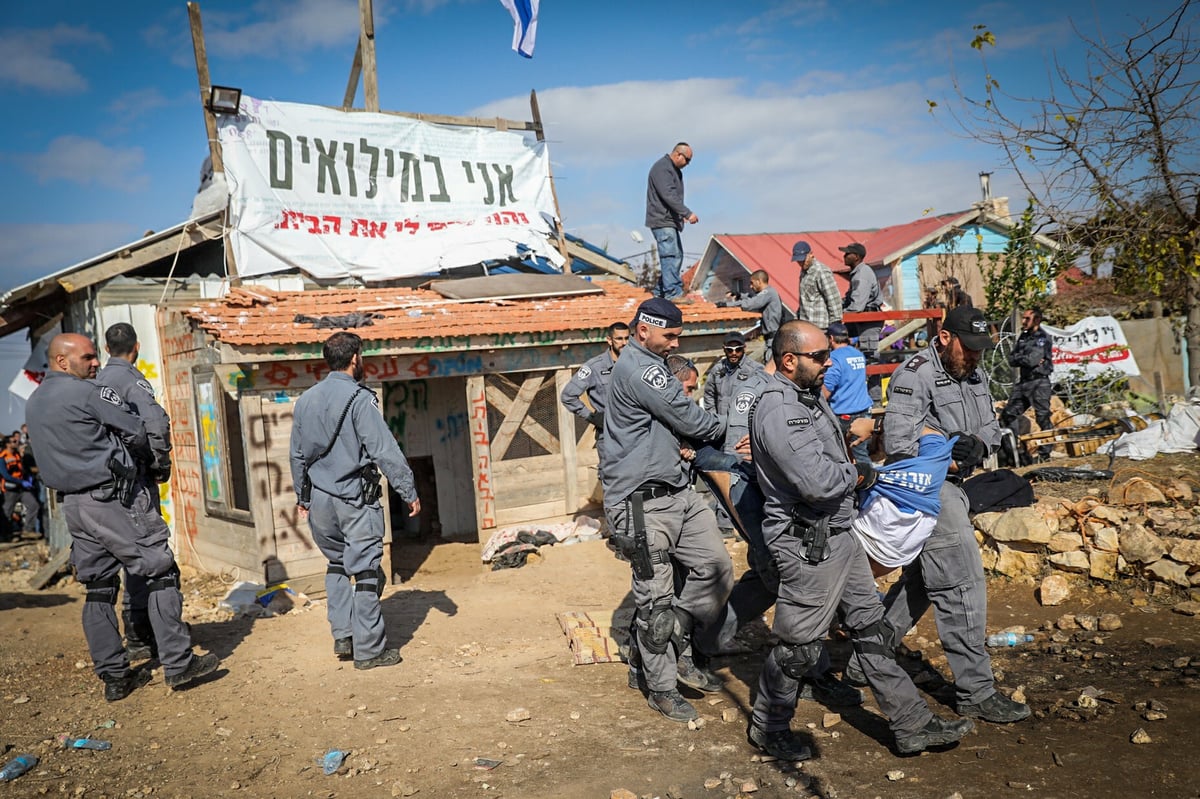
735 337
970 327
855 248
659 313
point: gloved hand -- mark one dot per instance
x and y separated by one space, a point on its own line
27 485
866 476
722 303
969 451
596 419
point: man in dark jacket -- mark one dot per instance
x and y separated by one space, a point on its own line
1033 358
665 215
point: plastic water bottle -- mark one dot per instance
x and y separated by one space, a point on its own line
17 766
1008 639
67 742
332 761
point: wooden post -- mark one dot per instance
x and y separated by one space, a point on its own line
540 132
355 72
481 458
566 441
1161 394
366 43
210 121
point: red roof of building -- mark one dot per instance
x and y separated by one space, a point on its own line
251 316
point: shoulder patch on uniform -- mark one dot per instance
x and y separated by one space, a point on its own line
901 390
743 401
374 398
145 386
915 362
109 394
800 422
656 377
583 372
942 381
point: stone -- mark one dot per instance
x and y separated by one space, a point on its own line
1023 526
1055 589
518 714
1154 715
1066 622
1185 550
830 719
895 775
1076 562
1017 563
1106 539
749 786
1103 566
1109 622
1138 491
989 557
1140 736
1188 608
986 522
1179 490
730 715
712 782
1139 545
1065 542
1107 513
621 793
1087 622
1168 571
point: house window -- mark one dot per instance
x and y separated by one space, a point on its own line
222 451
739 285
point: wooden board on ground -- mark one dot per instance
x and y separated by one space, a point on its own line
58 562
596 637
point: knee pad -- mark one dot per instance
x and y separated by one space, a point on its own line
103 590
681 635
796 659
878 638
376 574
335 569
660 626
166 581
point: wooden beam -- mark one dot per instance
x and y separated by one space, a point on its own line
899 333
355 73
130 259
620 269
541 136
210 121
446 119
566 437
366 43
515 418
481 461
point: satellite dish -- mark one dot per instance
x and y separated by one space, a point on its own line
636 236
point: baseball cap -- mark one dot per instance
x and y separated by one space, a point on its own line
658 312
838 329
855 248
800 250
970 326
735 338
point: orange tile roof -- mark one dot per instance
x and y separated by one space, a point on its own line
251 316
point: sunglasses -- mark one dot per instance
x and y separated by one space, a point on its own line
820 356
734 349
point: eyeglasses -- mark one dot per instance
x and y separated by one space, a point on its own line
687 159
732 350
820 356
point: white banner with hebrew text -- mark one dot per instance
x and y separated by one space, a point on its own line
379 196
1094 344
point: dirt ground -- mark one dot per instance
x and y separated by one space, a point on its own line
478 645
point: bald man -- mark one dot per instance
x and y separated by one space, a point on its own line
89 443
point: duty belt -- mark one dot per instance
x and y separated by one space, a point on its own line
649 491
792 530
108 485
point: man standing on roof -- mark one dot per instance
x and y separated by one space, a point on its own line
665 215
820 300
862 296
656 517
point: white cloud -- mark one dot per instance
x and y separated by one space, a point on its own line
305 25
87 162
790 159
30 62
33 251
133 104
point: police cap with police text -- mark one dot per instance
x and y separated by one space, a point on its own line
659 313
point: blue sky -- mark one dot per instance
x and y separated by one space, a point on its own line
802 115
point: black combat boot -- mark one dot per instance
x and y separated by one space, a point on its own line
119 686
936 732
343 648
388 657
199 666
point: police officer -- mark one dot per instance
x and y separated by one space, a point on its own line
1033 356
942 387
727 377
655 515
340 443
89 443
121 374
809 483
593 378
765 299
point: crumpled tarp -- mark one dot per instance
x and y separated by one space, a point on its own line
342 322
1179 432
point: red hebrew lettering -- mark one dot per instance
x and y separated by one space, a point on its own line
333 224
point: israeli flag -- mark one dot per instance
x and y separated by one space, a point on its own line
524 14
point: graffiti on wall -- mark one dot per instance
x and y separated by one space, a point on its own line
485 497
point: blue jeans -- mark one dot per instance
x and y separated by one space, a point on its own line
670 259
861 450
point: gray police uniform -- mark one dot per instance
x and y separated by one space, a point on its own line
949 571
1033 356
768 303
647 415
138 394
809 481
723 380
593 378
348 531
80 427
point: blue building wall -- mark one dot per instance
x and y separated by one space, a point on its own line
968 243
